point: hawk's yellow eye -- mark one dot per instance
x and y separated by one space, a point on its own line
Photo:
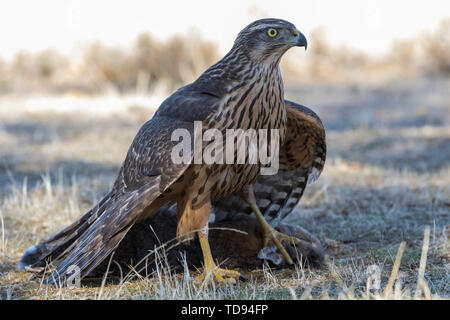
271 32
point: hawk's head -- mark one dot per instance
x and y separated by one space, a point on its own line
269 38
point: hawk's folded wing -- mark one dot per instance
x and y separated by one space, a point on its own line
146 173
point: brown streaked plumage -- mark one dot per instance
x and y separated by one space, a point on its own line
302 158
243 90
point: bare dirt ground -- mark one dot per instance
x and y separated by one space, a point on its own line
386 178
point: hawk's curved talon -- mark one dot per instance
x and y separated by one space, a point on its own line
269 233
210 269
220 275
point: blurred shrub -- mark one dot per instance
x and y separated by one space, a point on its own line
38 71
149 63
107 66
427 54
3 77
437 49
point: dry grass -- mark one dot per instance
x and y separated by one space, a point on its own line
382 204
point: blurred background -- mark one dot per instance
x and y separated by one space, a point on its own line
123 47
78 79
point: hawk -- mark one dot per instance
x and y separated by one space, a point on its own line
244 90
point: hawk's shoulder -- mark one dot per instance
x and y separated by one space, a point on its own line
190 103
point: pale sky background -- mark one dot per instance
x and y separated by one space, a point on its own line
64 25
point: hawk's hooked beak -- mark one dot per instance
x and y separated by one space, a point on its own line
300 40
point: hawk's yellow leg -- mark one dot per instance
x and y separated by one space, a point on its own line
210 268
197 219
269 233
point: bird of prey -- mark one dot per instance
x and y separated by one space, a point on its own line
244 90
